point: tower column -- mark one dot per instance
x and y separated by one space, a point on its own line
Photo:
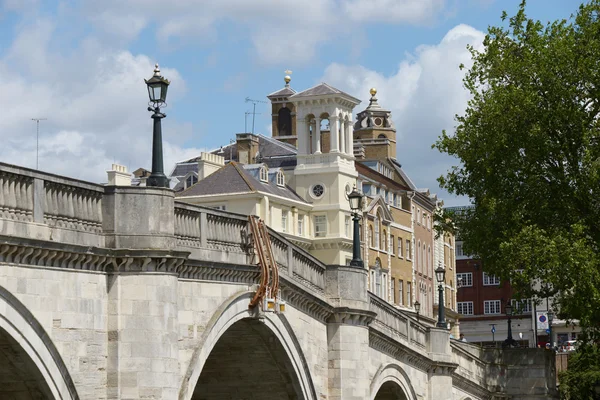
349 131
342 136
317 136
334 125
303 136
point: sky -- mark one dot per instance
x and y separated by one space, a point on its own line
81 63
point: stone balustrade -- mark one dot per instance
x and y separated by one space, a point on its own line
44 206
396 324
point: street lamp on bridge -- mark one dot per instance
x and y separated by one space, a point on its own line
440 273
157 91
356 198
509 342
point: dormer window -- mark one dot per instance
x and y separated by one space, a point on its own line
264 174
280 179
190 181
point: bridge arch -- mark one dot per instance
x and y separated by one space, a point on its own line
33 362
391 382
233 322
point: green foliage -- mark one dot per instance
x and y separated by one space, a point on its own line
529 151
581 380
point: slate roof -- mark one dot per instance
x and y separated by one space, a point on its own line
322 89
398 167
369 172
285 92
238 178
274 153
182 169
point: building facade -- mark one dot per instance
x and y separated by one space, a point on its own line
298 181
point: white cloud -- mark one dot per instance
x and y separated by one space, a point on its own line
424 95
95 108
393 10
281 31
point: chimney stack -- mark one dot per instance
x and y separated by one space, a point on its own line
118 176
208 164
247 147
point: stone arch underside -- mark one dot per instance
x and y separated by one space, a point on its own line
242 357
391 382
390 390
248 362
30 365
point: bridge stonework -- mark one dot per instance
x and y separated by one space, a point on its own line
123 293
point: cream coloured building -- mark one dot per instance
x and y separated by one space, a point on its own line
298 180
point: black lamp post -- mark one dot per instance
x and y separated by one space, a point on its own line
355 198
439 275
417 308
550 319
157 91
509 339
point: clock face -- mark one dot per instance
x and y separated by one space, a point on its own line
318 190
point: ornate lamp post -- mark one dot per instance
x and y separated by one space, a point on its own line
440 273
417 308
550 319
157 91
355 198
509 339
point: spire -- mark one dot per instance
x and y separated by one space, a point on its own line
373 102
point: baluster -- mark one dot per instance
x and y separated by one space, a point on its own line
71 206
2 196
29 196
21 198
12 199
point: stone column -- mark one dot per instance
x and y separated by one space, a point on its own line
342 136
317 136
143 350
334 134
303 137
440 374
349 140
348 333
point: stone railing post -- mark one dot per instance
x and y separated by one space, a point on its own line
142 297
348 333
39 199
440 374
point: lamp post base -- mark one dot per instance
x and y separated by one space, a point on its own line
158 180
510 342
357 263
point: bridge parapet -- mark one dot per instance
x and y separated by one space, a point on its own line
44 206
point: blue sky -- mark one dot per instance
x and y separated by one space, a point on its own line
81 64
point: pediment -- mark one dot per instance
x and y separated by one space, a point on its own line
375 205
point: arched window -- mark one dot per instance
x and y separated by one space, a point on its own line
382 136
383 241
377 227
191 180
371 235
280 179
264 174
429 263
418 260
284 122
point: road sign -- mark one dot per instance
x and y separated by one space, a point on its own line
493 329
547 330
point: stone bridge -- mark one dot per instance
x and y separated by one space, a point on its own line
122 293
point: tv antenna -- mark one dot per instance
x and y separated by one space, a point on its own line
246 119
254 103
37 141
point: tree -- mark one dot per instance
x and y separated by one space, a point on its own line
581 380
529 151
